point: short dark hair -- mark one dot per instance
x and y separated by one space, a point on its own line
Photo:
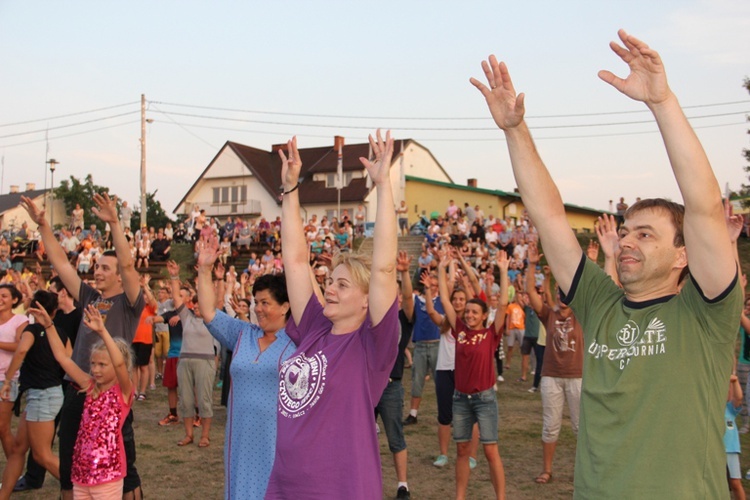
675 211
276 286
478 302
47 300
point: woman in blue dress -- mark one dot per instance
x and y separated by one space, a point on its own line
258 352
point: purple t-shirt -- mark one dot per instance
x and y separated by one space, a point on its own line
326 445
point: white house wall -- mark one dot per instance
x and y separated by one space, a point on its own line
227 164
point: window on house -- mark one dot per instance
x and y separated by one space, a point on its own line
226 195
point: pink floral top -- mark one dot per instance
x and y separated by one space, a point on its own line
99 453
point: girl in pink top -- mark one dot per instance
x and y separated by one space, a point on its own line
99 455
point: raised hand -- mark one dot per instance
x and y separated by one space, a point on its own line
735 222
144 278
402 262
291 165
606 231
173 268
503 261
92 318
592 252
219 271
533 255
647 81
35 213
379 169
40 314
506 107
106 207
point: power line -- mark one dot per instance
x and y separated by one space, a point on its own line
69 135
446 129
452 139
183 128
446 118
68 115
68 125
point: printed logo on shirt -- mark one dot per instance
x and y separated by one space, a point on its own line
475 340
633 343
301 383
561 337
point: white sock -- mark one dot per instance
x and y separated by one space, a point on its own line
413 413
404 484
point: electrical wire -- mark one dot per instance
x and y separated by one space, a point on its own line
446 118
69 135
447 129
69 125
68 115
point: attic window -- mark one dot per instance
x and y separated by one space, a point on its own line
331 179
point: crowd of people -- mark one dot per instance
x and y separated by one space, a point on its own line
314 342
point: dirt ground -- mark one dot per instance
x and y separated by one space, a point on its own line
171 472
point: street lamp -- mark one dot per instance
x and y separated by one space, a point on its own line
52 166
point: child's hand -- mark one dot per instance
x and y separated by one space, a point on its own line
40 314
5 391
733 378
92 318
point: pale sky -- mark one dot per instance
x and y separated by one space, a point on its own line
399 65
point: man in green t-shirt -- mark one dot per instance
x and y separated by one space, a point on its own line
658 351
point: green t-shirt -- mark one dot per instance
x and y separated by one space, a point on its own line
655 382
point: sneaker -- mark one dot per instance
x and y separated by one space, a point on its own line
152 387
403 492
533 389
197 421
440 461
169 420
411 419
472 462
158 376
500 378
141 397
747 475
745 429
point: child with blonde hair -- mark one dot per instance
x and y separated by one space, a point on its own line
99 464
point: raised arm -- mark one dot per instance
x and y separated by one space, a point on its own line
535 300
62 355
606 232
55 252
706 241
385 242
92 318
407 292
502 302
473 280
206 295
106 210
538 191
445 296
434 315
296 265
174 281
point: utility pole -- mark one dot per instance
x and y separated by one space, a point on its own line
143 160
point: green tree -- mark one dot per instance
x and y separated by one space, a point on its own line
73 192
156 216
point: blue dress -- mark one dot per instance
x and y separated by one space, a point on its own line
250 441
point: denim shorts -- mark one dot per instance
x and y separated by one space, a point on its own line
390 407
424 362
471 408
43 405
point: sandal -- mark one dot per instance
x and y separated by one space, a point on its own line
543 478
185 441
204 442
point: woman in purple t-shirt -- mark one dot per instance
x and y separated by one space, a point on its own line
326 445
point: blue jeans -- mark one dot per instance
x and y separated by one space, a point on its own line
469 409
390 407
